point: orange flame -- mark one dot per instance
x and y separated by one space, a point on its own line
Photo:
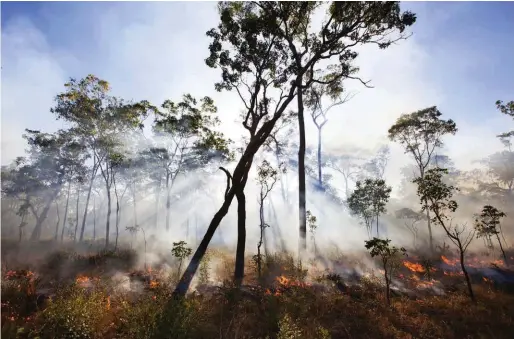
154 284
414 267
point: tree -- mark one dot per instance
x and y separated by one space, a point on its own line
187 139
507 109
376 166
389 257
487 225
437 196
313 225
369 200
421 134
266 178
250 48
349 166
411 218
318 112
100 120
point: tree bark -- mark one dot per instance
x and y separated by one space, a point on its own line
302 246
157 201
77 216
56 236
241 239
108 221
84 218
466 275
168 201
66 211
320 176
36 233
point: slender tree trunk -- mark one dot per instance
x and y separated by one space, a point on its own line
135 204
36 233
108 221
466 275
501 249
66 211
320 177
56 236
241 239
94 219
302 246
430 237
259 244
168 202
378 236
157 201
21 227
77 216
84 218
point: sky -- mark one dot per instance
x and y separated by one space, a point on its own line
459 58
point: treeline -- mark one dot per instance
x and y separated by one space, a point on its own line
280 66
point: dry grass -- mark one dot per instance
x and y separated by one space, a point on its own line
98 307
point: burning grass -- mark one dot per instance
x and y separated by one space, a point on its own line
428 301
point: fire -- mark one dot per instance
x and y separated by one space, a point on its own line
82 279
414 267
154 284
448 261
108 306
286 282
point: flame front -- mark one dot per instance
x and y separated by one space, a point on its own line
414 267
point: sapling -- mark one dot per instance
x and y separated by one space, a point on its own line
487 225
436 196
389 256
181 252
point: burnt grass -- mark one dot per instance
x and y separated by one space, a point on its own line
91 293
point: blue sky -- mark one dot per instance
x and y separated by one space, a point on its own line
460 58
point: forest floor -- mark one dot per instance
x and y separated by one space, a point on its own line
67 293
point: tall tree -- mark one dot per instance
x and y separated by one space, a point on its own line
314 100
506 108
250 48
100 120
187 140
487 225
421 134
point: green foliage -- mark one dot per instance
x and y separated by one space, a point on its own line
507 109
431 188
488 221
312 222
389 256
73 313
369 199
420 133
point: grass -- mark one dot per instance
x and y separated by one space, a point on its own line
76 296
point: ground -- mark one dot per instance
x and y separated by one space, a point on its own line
84 292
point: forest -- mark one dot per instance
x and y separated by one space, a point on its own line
145 220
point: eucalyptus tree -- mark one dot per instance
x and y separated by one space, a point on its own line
421 134
100 120
186 140
252 46
319 113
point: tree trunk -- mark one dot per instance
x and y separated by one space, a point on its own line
320 177
259 244
187 277
135 204
56 236
378 236
466 275
108 221
94 219
84 218
430 237
118 216
238 184
77 216
65 211
36 233
157 201
302 246
241 239
168 201
502 250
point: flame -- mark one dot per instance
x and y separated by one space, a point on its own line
448 261
154 284
414 267
82 279
108 306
